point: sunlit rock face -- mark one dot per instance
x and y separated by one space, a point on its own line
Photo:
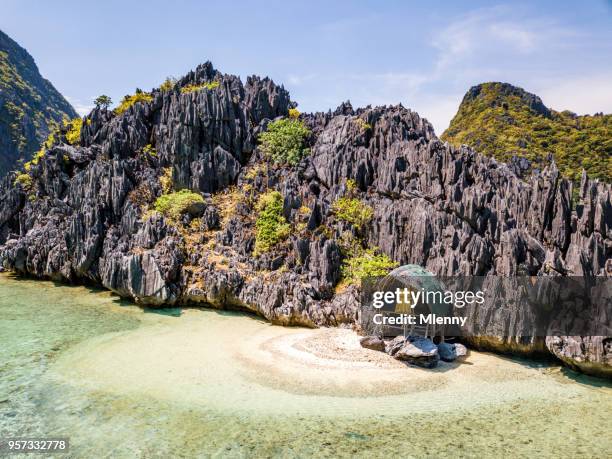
87 215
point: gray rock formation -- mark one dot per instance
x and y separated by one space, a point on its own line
417 351
450 210
449 352
588 354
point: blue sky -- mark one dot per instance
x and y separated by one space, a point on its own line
422 54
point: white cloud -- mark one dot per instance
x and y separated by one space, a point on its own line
490 44
517 35
498 31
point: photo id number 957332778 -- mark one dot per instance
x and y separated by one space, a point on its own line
33 445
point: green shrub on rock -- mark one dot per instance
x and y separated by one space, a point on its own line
173 205
367 264
271 226
24 180
285 141
168 84
353 211
103 101
199 87
128 101
149 151
73 132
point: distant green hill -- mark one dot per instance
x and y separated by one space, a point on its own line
29 105
502 121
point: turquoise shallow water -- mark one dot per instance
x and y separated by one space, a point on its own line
116 380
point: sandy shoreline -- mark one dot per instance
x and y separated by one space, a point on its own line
231 362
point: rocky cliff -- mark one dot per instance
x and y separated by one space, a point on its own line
511 124
29 105
87 212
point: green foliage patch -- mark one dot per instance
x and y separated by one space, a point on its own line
366 264
73 134
150 151
199 87
365 126
24 180
103 101
285 141
271 226
173 205
128 101
168 84
353 211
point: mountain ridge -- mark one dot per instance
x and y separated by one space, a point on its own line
29 105
509 123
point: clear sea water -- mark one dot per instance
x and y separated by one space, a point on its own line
62 376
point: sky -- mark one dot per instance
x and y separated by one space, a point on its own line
425 55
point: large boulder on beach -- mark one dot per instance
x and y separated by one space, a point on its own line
394 345
417 351
589 354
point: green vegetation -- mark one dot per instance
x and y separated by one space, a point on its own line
128 101
294 113
353 211
103 101
48 143
168 84
29 105
363 124
359 261
199 87
501 120
366 264
173 205
24 180
285 141
351 186
271 226
73 134
149 151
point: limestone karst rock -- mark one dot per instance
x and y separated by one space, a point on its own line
86 215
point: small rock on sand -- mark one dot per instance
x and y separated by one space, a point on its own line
372 342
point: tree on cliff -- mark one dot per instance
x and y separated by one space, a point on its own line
103 101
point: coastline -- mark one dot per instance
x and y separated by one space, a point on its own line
95 368
194 357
